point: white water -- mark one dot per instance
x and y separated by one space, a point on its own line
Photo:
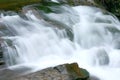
40 44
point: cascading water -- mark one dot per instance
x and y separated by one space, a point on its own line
79 34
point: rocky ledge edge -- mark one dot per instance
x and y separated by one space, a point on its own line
60 72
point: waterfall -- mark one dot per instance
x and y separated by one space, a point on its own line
79 34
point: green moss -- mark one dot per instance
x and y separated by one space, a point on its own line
76 72
15 5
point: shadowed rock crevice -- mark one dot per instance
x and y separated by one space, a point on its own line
2 62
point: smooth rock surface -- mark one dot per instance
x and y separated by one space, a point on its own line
60 72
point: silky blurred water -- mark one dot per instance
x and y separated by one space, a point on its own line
79 34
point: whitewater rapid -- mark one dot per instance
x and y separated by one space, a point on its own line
79 34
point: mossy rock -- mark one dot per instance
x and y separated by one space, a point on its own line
76 72
15 5
45 6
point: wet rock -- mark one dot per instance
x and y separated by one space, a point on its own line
1 57
73 71
2 62
61 72
77 72
4 31
6 74
116 43
102 57
94 78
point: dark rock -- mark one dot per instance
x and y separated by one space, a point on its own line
1 56
2 62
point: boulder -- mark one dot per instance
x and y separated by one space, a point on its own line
60 72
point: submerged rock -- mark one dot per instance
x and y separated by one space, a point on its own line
60 72
102 57
94 78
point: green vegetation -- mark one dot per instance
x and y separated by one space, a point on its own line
15 4
112 6
77 2
45 6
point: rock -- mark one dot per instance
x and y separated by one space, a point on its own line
116 43
2 62
1 54
60 72
1 57
102 57
94 78
77 72
74 71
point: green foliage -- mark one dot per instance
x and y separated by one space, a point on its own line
111 5
15 5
